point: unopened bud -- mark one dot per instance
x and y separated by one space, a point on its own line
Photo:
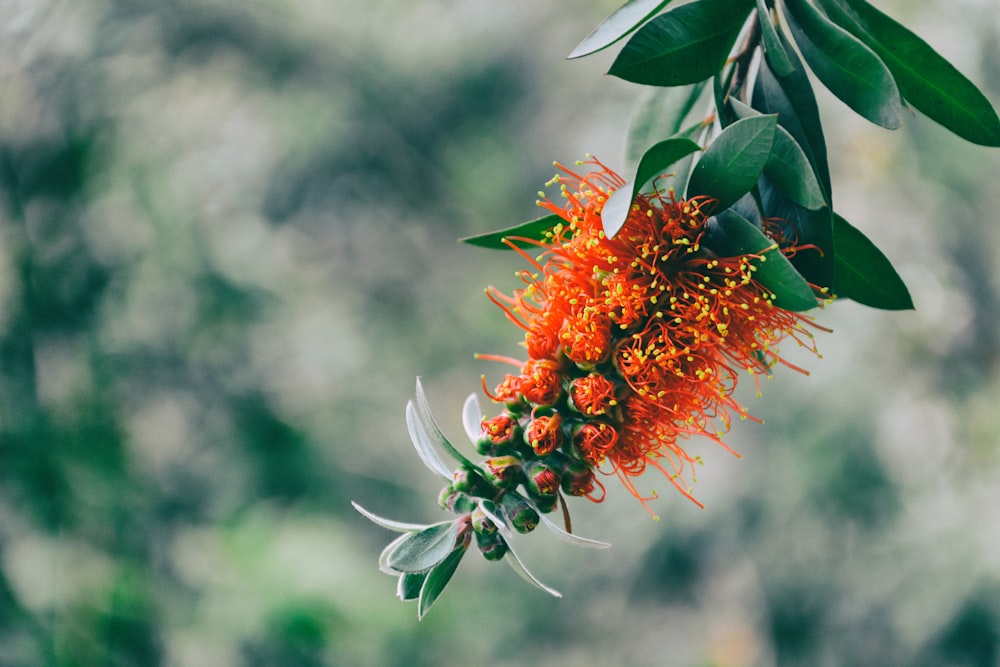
492 545
481 523
577 478
542 479
503 471
522 516
455 501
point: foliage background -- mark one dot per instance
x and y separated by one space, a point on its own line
227 246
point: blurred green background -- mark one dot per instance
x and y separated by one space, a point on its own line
227 247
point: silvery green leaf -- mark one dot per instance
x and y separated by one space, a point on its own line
431 427
398 526
518 566
570 537
472 418
422 443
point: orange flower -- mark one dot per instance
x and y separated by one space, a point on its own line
650 311
544 434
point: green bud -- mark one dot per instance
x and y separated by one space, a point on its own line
481 523
542 478
521 514
503 471
455 501
492 545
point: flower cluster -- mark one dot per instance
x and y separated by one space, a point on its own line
634 343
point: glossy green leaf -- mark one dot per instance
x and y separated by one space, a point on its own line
533 229
812 231
732 235
852 71
660 112
792 98
926 80
420 551
621 22
788 167
685 45
437 579
733 162
409 585
863 273
653 163
774 50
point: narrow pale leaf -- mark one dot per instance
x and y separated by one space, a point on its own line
472 418
518 566
398 526
437 579
653 163
863 273
621 22
852 71
423 444
926 80
571 538
427 420
420 551
685 45
533 229
733 162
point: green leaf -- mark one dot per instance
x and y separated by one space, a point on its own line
926 80
533 229
733 162
658 113
812 231
621 22
847 67
420 551
437 579
774 51
685 45
410 584
732 235
788 167
654 161
791 97
863 273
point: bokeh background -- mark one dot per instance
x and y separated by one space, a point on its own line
227 247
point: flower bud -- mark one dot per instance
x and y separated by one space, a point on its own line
481 523
577 478
503 472
499 431
492 545
455 501
544 435
542 479
469 481
523 517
